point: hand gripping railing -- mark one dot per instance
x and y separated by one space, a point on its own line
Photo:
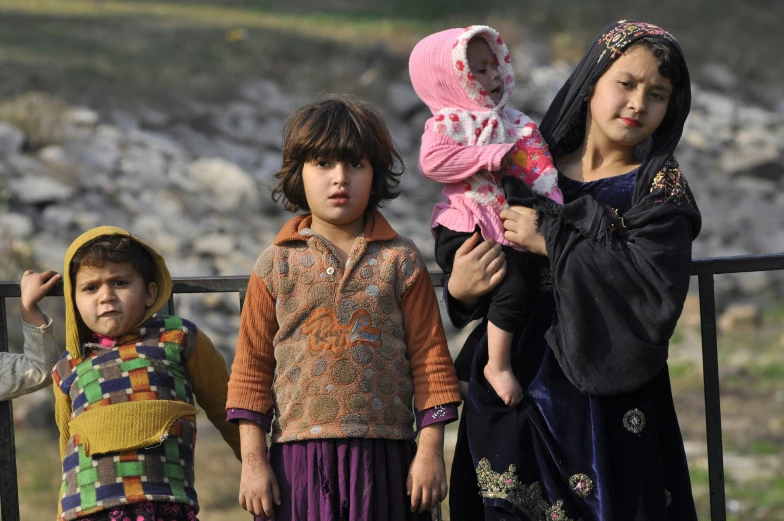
704 269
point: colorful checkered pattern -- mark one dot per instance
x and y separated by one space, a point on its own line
147 364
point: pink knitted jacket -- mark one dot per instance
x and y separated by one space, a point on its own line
468 136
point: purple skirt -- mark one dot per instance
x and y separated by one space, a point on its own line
352 479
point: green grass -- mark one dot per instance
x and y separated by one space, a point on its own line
765 447
683 369
113 53
758 500
109 52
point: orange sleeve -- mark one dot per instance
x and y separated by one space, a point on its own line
250 385
435 380
209 378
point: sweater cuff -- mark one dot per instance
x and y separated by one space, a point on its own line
440 413
262 420
38 329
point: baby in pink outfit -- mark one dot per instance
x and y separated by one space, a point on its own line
465 77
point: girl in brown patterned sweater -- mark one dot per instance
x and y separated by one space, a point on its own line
341 339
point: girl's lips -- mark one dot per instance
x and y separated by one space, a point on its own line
632 122
339 199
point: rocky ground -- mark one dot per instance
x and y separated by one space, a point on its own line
193 178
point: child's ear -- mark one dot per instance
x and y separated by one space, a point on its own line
152 294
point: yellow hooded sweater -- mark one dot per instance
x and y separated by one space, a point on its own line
125 406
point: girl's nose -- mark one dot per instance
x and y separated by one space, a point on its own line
637 101
340 173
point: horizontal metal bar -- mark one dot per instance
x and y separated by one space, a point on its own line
211 284
738 264
709 266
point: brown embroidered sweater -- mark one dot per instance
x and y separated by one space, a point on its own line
341 351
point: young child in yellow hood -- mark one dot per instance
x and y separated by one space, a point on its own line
125 386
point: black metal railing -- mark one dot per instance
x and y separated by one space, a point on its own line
704 269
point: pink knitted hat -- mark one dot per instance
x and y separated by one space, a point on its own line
440 74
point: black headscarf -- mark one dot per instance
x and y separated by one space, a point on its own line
563 127
619 281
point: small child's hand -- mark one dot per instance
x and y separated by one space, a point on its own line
35 286
259 491
426 482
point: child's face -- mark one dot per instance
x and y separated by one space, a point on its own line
338 192
483 66
630 100
112 299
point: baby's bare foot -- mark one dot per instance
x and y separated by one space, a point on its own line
505 384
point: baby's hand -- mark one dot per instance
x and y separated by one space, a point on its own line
35 286
258 487
426 482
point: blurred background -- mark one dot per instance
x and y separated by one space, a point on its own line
165 118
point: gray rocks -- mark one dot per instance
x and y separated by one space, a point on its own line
403 100
267 96
226 185
39 190
49 251
16 225
193 179
11 138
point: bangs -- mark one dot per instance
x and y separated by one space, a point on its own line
336 134
337 128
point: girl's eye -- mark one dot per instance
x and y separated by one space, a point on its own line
625 84
657 96
120 283
356 164
88 289
481 71
322 163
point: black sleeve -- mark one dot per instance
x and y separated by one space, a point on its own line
619 284
459 314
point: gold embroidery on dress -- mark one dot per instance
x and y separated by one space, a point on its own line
528 498
634 421
673 183
581 485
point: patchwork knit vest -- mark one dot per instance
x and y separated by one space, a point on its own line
341 353
145 364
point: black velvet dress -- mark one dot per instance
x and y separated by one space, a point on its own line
564 454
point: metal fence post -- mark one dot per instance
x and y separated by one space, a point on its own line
710 368
9 491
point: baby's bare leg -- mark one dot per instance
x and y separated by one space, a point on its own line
498 370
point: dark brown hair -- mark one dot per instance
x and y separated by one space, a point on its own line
114 248
338 128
